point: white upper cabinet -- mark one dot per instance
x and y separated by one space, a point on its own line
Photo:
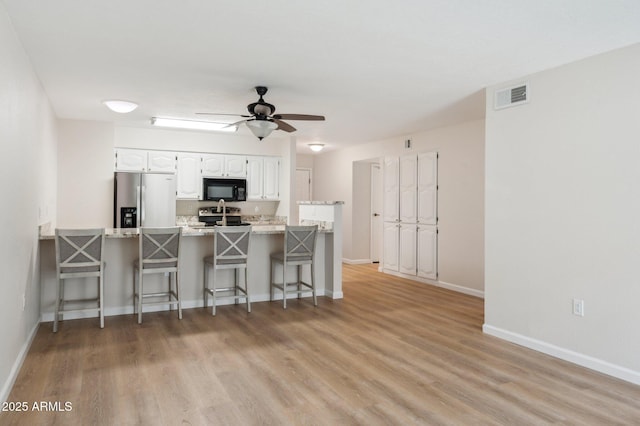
131 160
161 162
140 160
213 165
263 178
189 177
428 188
271 183
408 188
235 166
219 165
390 209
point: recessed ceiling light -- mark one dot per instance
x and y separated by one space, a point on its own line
193 124
316 147
122 107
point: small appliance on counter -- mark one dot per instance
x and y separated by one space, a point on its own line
211 217
144 199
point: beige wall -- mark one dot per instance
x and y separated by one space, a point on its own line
460 199
562 214
28 190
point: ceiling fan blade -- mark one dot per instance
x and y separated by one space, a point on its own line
284 126
215 113
236 124
299 117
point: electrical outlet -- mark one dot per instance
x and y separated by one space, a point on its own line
578 307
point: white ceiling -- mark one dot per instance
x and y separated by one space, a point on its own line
376 69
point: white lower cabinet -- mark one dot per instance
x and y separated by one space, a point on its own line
427 254
407 249
390 249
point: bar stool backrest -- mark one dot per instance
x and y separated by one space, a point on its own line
159 247
300 243
79 252
231 245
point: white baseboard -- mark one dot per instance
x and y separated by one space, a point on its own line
17 365
356 261
442 284
565 354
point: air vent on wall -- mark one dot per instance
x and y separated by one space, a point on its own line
512 96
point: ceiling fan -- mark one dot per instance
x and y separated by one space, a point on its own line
262 120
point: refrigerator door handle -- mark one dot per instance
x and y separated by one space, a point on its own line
139 209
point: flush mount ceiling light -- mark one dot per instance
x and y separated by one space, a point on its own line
261 128
316 147
122 107
192 124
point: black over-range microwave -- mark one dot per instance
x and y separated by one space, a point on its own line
216 189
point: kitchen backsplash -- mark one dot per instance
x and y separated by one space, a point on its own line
248 208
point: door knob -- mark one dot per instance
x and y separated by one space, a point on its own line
376 214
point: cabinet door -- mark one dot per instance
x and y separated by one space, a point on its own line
189 177
161 161
407 249
213 165
408 176
391 190
271 180
428 188
390 248
428 252
235 166
255 172
131 160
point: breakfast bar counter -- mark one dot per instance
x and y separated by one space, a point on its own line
121 249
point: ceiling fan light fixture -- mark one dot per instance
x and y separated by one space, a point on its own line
120 106
192 124
316 147
261 128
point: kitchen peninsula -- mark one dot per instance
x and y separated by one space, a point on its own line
121 248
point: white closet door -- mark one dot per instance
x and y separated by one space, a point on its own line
391 189
390 249
408 188
427 252
407 260
428 188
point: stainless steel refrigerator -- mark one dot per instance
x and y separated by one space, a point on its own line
144 199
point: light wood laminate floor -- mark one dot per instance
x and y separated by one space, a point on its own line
391 352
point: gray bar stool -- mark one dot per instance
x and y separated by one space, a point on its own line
299 250
79 255
230 251
159 253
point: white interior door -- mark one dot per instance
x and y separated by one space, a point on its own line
376 212
407 249
408 188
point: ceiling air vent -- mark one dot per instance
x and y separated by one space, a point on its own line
512 96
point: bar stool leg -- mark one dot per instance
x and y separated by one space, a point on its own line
178 295
213 310
271 289
140 293
313 284
57 311
299 279
246 289
101 298
205 274
284 285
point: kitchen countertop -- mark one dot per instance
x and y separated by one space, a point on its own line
259 229
319 203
